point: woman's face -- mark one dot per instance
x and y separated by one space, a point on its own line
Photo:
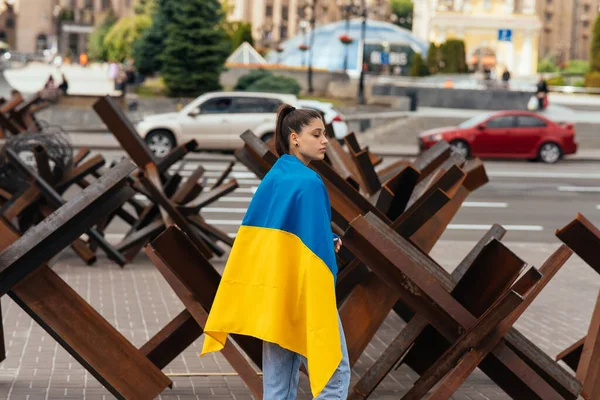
310 144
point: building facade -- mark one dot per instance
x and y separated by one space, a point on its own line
498 34
567 27
274 21
59 24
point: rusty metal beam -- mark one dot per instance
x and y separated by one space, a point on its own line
429 298
46 239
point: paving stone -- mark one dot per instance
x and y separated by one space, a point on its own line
138 302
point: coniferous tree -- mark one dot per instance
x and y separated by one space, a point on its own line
147 50
195 48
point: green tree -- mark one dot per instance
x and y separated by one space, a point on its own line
242 34
403 9
195 48
96 49
147 7
453 56
418 66
121 36
149 47
595 48
433 58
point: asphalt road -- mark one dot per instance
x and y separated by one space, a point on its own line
530 200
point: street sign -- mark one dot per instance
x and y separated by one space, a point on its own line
385 58
505 35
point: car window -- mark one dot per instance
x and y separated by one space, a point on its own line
216 106
255 105
474 121
500 122
526 121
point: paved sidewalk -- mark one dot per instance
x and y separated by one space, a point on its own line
138 302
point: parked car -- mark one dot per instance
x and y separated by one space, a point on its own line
330 116
216 120
507 134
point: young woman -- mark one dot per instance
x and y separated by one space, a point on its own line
279 281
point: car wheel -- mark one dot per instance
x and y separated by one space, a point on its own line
549 153
160 142
461 147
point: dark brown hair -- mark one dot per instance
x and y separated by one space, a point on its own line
290 119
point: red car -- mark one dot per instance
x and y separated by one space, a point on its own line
506 134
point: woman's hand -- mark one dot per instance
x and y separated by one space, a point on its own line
337 244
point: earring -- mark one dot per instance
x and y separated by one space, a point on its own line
297 144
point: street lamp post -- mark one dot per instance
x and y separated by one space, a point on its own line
360 99
313 19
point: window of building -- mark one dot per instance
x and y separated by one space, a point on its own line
105 4
300 12
586 8
586 24
283 32
41 43
73 3
548 16
269 11
89 4
10 23
548 1
285 11
127 3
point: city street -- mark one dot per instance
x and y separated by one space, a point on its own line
531 200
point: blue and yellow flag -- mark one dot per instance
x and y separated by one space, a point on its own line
279 281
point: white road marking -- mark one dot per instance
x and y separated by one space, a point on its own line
484 204
551 175
484 227
583 189
227 222
224 210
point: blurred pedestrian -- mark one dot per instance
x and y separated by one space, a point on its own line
113 73
50 83
542 93
64 85
505 78
83 59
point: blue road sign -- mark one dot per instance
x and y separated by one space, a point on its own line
385 58
505 35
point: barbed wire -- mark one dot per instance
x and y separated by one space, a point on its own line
58 148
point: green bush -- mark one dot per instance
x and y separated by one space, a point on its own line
453 56
276 84
592 79
556 81
418 67
595 49
547 65
251 77
579 83
577 67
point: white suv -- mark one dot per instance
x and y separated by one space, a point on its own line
216 120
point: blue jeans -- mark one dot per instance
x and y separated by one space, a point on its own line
281 371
